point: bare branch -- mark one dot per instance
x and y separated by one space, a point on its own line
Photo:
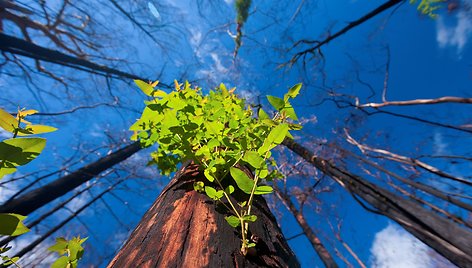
344 30
406 160
446 99
320 249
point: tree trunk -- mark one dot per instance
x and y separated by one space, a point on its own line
184 228
32 200
315 241
21 47
445 236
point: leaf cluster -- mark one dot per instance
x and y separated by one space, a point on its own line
219 132
242 10
16 152
70 251
428 7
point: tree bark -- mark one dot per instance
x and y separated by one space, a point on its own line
444 236
184 228
32 200
21 47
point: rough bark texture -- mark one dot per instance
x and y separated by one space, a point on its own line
32 200
184 228
443 235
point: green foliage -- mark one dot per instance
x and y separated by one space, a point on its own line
12 224
242 10
70 251
220 133
428 7
7 261
16 152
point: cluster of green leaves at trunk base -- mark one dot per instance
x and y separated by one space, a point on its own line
219 132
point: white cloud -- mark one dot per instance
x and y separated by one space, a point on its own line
439 145
196 37
454 36
218 65
395 248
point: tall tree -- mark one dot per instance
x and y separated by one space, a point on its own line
183 228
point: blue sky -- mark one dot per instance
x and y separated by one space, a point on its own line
428 59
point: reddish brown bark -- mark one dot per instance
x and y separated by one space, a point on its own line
184 228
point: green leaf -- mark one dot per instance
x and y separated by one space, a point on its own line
6 171
229 190
35 129
242 180
289 135
289 111
295 126
25 113
253 158
263 189
20 151
233 221
213 193
208 175
277 135
293 91
176 103
276 102
214 127
60 246
9 261
145 87
251 218
213 143
12 224
263 115
266 146
263 173
149 90
62 262
75 248
199 186
7 121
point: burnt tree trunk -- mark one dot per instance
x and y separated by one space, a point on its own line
19 46
184 228
34 199
446 237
